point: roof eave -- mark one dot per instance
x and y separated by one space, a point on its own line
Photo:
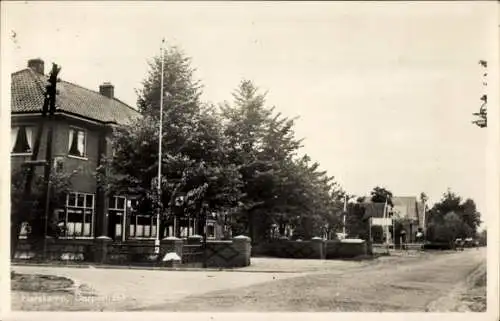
66 113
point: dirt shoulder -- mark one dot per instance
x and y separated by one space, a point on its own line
474 297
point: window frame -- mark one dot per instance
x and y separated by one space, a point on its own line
23 125
77 129
134 218
214 235
121 212
84 209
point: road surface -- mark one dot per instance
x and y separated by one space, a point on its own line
426 282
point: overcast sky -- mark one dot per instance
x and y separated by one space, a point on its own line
384 92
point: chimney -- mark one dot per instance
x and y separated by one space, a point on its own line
37 65
107 89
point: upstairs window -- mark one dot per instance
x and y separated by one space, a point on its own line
77 142
21 140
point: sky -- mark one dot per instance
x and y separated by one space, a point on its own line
384 91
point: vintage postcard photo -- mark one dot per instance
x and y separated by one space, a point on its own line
250 156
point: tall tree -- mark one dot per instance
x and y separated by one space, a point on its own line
449 229
465 211
381 195
194 158
357 221
280 186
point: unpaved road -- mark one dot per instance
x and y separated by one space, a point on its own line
405 283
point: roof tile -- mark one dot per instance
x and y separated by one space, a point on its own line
28 89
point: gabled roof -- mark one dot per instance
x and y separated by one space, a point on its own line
28 90
407 206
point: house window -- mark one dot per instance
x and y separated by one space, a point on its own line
78 216
77 142
210 230
143 226
21 140
117 208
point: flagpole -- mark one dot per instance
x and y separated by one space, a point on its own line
386 227
160 137
424 225
345 214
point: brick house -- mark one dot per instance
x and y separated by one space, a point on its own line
83 124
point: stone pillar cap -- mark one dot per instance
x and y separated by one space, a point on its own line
171 238
241 237
104 237
196 236
171 256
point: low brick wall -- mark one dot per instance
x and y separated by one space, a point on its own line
313 249
132 251
222 254
344 249
291 249
56 250
102 250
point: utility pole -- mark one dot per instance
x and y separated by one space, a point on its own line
51 92
48 110
204 214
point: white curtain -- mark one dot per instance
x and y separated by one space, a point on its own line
13 137
147 229
118 230
78 229
86 229
71 228
29 137
139 230
81 143
71 134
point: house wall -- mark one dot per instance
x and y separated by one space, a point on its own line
85 180
96 145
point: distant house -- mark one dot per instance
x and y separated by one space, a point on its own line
406 209
411 211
